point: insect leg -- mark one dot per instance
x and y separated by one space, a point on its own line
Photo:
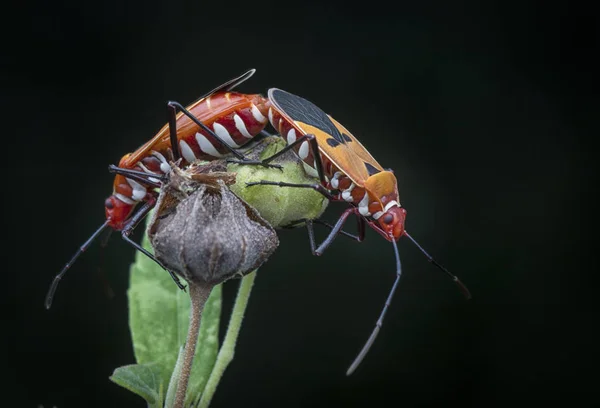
240 156
130 226
81 250
172 119
314 146
138 175
317 187
361 229
294 224
336 230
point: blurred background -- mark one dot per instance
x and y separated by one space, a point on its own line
483 111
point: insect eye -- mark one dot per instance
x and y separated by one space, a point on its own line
388 218
109 204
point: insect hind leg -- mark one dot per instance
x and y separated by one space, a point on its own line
139 175
173 106
317 187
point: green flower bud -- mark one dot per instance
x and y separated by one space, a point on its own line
280 206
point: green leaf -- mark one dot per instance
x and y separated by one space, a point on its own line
141 379
159 319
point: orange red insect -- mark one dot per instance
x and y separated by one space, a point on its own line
222 121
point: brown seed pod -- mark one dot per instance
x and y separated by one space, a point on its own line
203 232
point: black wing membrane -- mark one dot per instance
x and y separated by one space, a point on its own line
229 85
302 110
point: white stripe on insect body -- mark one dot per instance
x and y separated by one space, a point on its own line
389 205
144 168
257 115
335 181
139 191
347 193
377 215
126 200
363 205
303 151
241 127
271 117
222 132
187 152
164 165
206 146
291 136
147 170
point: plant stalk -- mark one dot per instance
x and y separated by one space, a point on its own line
227 350
198 296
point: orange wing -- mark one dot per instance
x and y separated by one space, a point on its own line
162 136
335 141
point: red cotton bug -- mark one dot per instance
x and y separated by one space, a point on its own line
212 127
347 172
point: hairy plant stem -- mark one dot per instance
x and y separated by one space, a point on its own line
198 296
227 350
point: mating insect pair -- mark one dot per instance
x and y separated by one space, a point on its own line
343 169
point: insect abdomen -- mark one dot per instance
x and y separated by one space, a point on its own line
235 118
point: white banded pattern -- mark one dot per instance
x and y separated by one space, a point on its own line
139 191
271 116
126 200
206 146
291 136
335 181
147 170
389 205
186 151
257 115
222 132
303 151
240 126
363 205
164 165
347 193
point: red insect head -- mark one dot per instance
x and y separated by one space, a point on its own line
117 212
392 222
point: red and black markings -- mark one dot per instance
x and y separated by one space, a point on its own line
213 126
347 172
335 179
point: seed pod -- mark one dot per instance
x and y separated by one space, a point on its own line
205 233
280 206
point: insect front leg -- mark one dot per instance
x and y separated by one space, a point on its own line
317 187
305 221
337 229
241 159
130 226
141 176
314 147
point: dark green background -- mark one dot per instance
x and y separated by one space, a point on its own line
483 111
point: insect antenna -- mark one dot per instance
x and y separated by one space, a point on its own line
461 286
81 249
375 332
